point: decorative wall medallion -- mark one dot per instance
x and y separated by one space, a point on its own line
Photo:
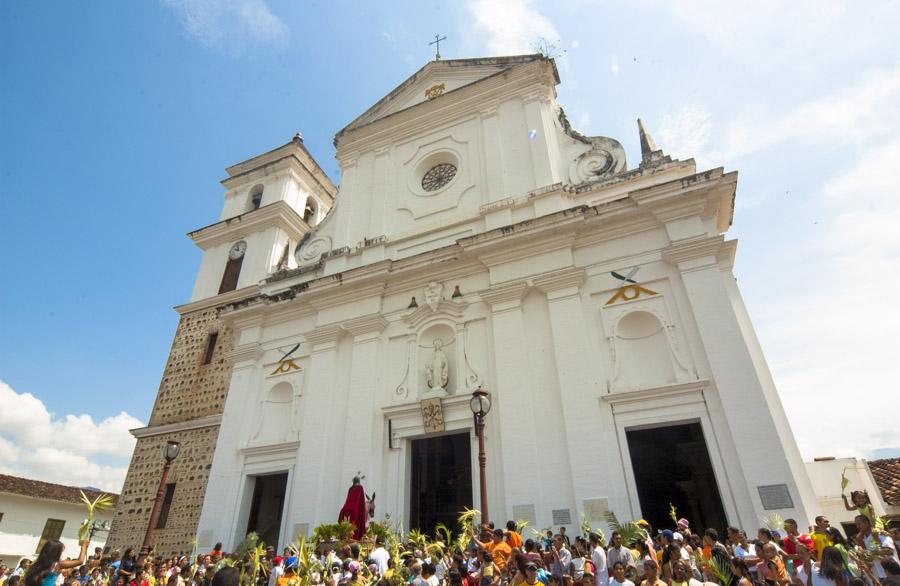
286 364
629 289
432 415
433 293
310 252
435 91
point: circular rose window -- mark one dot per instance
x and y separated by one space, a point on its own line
438 176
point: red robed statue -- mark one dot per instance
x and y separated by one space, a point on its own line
357 508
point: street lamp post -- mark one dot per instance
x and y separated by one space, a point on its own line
172 449
480 403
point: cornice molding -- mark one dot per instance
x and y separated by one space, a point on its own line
367 324
570 278
217 300
324 336
639 395
278 214
694 249
168 428
245 353
509 294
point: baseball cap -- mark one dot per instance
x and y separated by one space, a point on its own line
667 533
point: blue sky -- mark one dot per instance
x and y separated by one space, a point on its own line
118 120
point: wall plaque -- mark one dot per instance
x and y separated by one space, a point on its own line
596 509
525 513
775 496
432 415
562 517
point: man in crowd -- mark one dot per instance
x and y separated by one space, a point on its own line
819 537
618 552
793 537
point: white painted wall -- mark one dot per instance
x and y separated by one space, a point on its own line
533 326
825 477
24 519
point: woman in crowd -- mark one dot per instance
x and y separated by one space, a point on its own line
46 568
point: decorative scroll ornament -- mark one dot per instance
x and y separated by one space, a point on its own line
310 252
432 415
473 380
435 91
595 163
402 389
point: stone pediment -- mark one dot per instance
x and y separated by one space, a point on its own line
434 80
452 309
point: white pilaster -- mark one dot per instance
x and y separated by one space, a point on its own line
767 453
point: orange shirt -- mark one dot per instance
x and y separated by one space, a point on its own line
515 540
500 551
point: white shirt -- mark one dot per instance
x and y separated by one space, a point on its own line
277 572
433 580
817 580
614 582
740 552
380 556
601 573
884 541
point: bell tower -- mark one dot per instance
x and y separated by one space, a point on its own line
271 202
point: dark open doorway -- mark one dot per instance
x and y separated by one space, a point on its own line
441 481
671 465
267 506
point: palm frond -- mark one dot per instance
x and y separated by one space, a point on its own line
521 525
673 514
844 480
444 533
774 522
630 531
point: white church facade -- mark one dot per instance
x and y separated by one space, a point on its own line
478 241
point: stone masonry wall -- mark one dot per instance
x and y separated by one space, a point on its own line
189 390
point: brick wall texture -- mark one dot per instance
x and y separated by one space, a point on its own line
189 390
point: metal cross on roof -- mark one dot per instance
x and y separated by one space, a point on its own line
437 43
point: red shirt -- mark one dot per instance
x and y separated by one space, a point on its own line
790 547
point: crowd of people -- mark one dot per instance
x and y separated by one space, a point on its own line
493 556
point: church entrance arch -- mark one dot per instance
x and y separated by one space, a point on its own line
440 480
672 467
267 507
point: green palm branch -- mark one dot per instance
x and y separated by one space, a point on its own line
630 531
102 503
774 522
844 480
673 514
443 532
521 525
585 525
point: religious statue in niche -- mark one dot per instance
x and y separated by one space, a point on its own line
437 371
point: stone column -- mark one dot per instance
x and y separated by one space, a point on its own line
323 409
578 375
362 449
769 453
511 472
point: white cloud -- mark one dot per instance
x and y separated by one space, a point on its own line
685 133
36 444
832 344
575 44
229 23
614 65
511 27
